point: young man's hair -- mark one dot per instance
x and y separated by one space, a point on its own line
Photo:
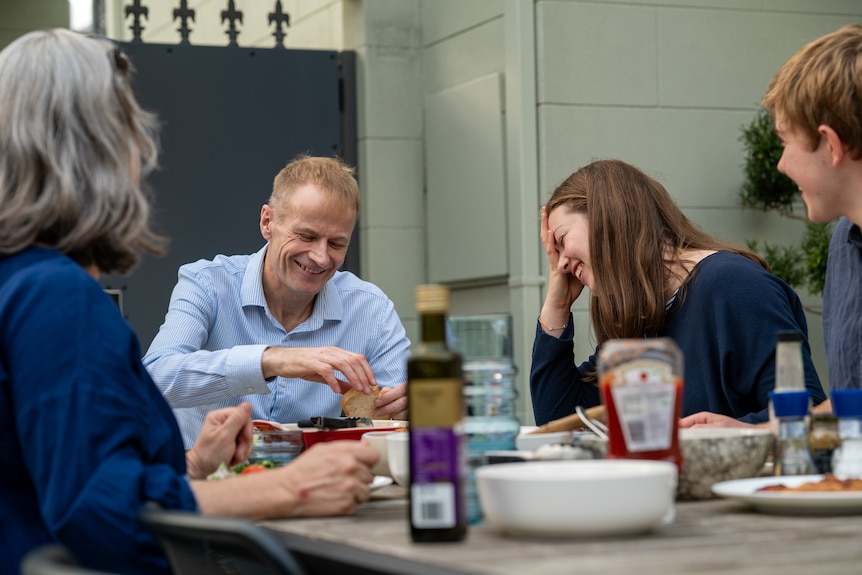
822 85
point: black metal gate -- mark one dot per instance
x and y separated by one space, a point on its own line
231 118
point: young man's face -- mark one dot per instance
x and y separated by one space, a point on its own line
812 171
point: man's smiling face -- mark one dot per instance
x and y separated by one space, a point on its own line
308 237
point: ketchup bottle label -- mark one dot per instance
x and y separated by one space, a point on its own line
644 394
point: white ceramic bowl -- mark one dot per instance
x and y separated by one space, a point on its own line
585 498
377 440
398 454
710 455
526 441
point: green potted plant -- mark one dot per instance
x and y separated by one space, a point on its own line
765 188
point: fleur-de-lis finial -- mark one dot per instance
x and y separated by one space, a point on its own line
184 13
136 10
278 17
232 15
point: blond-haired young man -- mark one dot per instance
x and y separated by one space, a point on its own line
816 101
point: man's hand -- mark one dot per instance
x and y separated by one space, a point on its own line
392 402
319 364
225 437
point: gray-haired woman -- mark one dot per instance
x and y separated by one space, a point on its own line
86 438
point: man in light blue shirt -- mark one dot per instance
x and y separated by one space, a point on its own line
282 328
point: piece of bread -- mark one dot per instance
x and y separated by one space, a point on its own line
354 403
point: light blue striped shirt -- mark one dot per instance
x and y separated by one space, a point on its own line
207 353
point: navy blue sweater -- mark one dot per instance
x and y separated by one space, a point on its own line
725 326
86 438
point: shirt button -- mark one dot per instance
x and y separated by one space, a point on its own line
282 383
249 389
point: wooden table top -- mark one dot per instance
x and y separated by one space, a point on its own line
707 537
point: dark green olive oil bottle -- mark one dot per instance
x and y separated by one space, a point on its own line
435 391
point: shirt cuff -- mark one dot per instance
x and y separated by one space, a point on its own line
244 371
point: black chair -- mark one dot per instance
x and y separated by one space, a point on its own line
201 545
54 560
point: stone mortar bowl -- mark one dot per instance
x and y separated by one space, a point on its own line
710 455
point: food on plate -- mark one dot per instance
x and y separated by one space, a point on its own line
828 483
358 404
263 425
241 469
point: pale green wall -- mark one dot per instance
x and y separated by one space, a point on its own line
386 35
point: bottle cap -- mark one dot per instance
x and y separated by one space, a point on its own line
847 402
790 403
432 298
788 335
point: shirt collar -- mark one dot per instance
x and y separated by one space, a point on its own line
251 292
327 306
854 236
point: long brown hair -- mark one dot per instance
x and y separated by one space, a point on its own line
636 234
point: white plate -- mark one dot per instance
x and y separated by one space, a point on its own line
525 441
790 502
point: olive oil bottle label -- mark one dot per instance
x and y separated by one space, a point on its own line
436 467
436 452
439 402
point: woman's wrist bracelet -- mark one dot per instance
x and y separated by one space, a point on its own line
549 328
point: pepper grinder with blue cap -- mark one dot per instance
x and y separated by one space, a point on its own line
847 459
792 456
790 404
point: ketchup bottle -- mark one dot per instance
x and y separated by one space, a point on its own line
641 386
